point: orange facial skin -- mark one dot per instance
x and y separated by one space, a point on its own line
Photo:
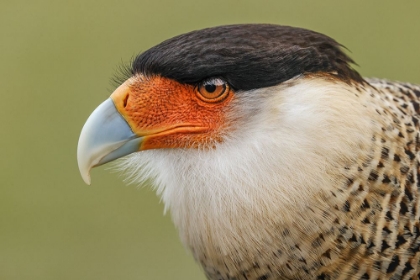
169 114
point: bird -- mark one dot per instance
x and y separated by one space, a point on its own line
274 156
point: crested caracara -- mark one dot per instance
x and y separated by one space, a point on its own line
276 159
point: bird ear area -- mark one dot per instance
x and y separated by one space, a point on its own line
213 90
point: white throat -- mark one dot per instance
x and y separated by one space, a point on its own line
290 144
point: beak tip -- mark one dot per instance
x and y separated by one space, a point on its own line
85 173
83 162
86 178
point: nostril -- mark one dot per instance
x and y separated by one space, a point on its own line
126 100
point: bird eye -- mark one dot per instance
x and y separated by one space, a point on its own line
213 90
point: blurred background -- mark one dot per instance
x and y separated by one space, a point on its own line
57 59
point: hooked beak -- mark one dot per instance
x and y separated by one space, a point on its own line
105 136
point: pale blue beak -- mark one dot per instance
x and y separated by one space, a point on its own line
105 136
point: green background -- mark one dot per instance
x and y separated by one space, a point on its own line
56 62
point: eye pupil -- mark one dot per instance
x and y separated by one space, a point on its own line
210 88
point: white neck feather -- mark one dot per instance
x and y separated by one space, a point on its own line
289 146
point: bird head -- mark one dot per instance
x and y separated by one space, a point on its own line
239 127
196 90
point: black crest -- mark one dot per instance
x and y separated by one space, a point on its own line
247 56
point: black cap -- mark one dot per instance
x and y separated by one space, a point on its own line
247 56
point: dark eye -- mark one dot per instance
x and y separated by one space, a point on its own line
213 90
